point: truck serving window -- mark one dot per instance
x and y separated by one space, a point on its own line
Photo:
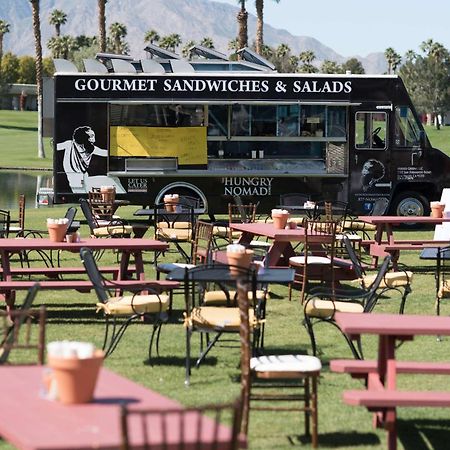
407 131
370 130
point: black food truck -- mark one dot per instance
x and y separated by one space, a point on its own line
215 129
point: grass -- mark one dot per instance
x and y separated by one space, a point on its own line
72 316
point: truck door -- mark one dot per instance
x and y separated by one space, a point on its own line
369 160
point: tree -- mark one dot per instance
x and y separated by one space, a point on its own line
38 50
27 70
427 78
207 42
10 66
186 50
259 5
57 18
4 28
330 67
170 42
306 58
242 19
393 59
118 32
353 65
152 36
102 24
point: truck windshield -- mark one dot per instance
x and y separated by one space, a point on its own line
407 130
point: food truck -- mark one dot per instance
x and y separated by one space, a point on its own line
215 129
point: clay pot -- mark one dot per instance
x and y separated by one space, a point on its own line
108 193
280 220
240 259
437 208
57 231
76 378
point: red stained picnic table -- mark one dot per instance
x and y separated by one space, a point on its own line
382 396
385 226
125 246
31 422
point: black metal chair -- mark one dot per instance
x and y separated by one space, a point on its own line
4 223
321 305
190 428
207 318
120 310
13 336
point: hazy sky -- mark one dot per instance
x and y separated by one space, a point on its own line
360 27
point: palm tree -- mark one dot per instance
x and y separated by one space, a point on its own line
242 18
4 28
102 24
330 67
186 50
259 5
307 57
152 36
393 59
170 42
38 47
207 42
118 32
57 18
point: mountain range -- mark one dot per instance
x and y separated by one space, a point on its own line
192 20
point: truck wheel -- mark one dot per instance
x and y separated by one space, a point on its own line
410 204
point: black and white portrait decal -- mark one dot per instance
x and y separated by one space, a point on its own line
81 155
372 171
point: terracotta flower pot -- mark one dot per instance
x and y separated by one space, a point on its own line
280 220
240 259
57 231
76 377
108 193
437 208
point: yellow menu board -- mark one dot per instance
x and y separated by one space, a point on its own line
188 144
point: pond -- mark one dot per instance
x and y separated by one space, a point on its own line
12 184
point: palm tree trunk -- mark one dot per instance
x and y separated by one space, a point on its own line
242 18
259 4
38 47
101 24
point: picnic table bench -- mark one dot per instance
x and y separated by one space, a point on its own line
381 395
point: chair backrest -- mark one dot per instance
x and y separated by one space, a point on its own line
101 209
22 202
183 215
182 428
86 209
216 277
202 242
241 213
356 263
294 199
94 274
70 215
372 295
12 328
4 223
330 210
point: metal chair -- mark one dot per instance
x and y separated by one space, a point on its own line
182 428
318 255
4 223
321 304
15 337
272 379
120 310
209 319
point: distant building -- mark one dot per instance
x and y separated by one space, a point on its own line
19 97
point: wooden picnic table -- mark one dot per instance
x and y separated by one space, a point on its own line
382 396
125 246
32 422
384 240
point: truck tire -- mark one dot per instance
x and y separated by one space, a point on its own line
410 203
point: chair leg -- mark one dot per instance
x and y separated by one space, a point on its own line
210 345
188 356
309 329
406 292
314 414
308 410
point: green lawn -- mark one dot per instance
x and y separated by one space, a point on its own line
72 316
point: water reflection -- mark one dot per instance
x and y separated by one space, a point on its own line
12 184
